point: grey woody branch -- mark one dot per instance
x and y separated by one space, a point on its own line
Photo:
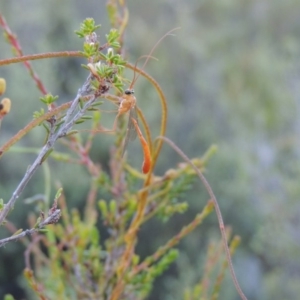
69 120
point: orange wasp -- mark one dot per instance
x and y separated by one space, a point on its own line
127 103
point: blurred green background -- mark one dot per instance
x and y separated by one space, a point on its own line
231 76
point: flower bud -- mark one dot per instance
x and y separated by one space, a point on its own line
5 107
2 86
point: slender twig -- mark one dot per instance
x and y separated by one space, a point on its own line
24 58
31 125
53 218
12 39
34 123
39 255
218 212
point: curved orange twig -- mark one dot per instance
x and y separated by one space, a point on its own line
146 150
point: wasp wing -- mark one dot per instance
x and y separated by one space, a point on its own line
131 131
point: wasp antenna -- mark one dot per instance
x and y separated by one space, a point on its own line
134 79
150 56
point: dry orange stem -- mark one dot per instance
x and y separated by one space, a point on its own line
146 150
